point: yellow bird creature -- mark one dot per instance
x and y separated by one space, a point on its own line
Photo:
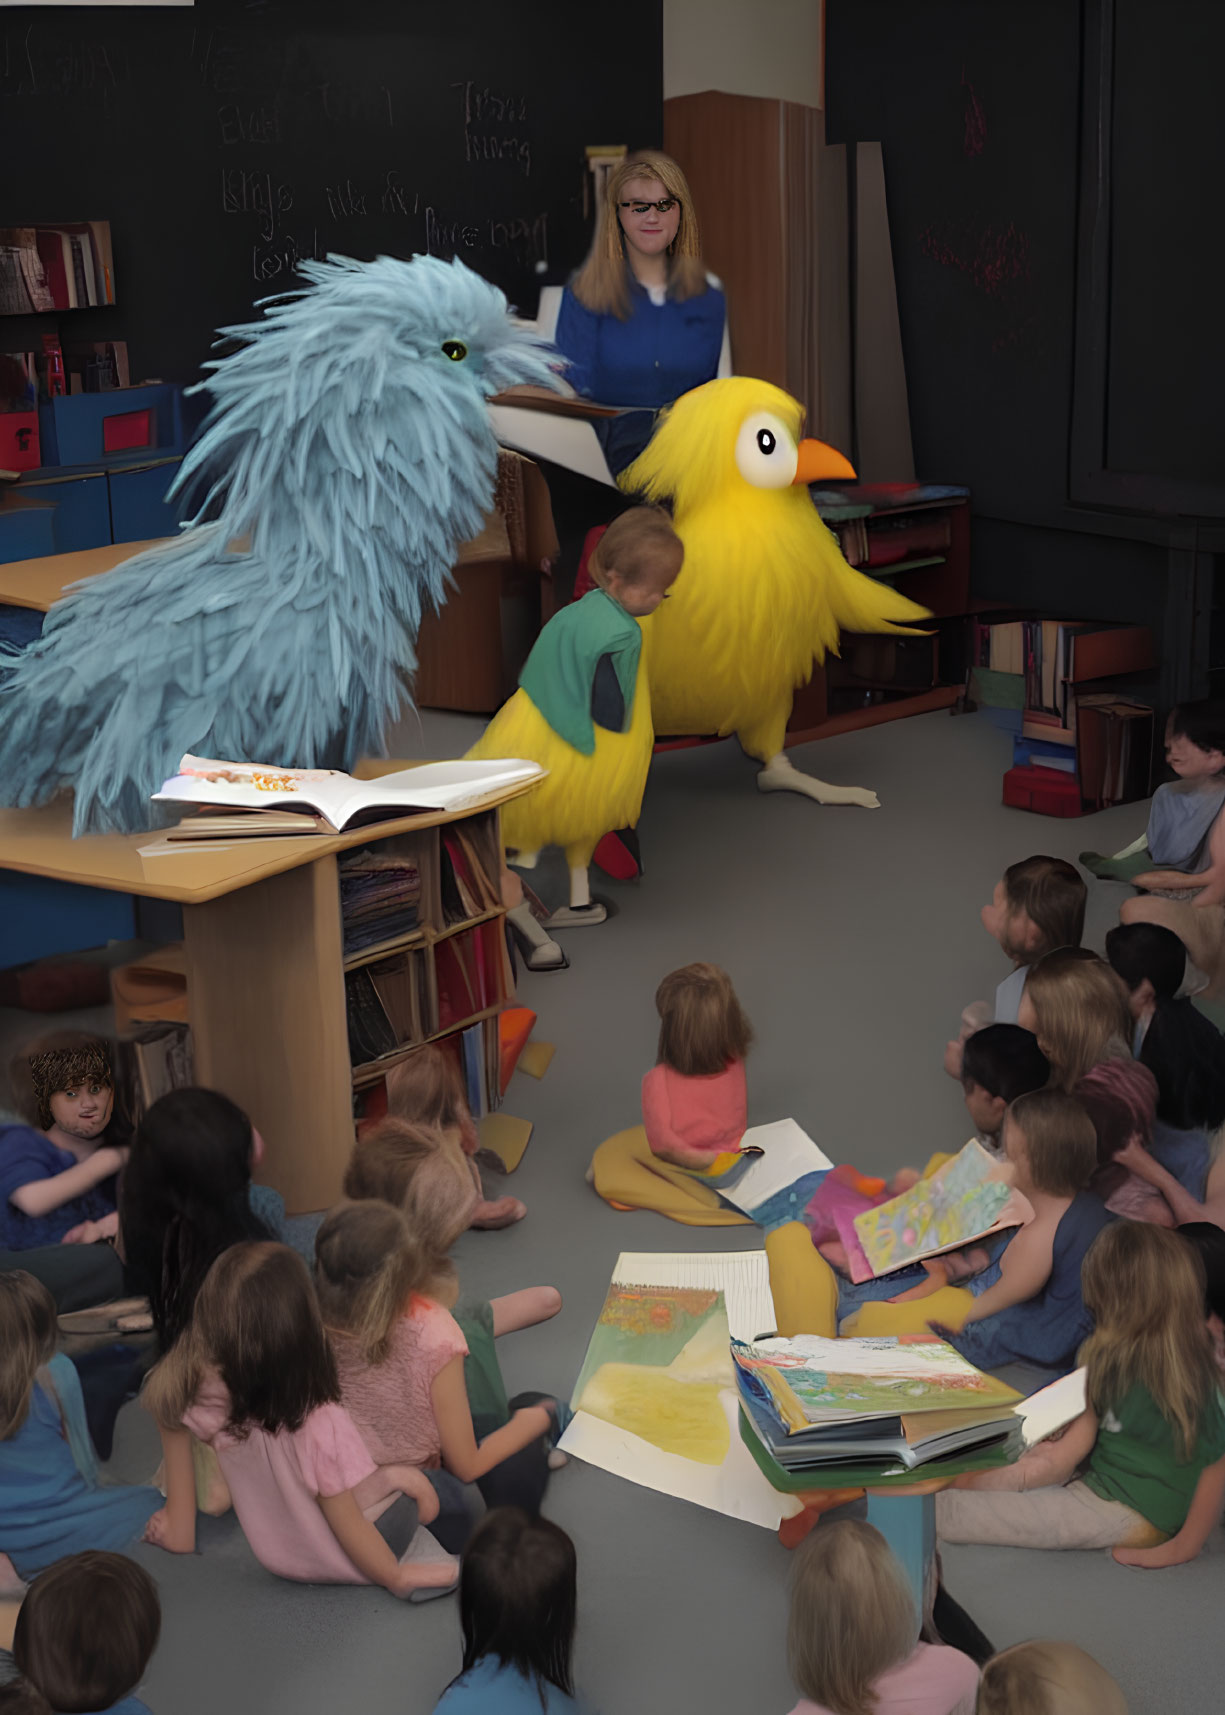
764 590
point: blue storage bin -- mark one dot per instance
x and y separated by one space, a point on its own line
73 428
26 532
138 502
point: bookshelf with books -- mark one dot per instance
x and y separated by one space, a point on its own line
915 537
1079 741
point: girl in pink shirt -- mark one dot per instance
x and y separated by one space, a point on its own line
253 1377
386 1289
852 1631
694 1102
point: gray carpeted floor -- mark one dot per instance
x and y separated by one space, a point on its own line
854 941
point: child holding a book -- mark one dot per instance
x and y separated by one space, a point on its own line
694 1106
1033 1312
853 1633
427 1180
385 1291
84 1637
427 1089
254 1378
1038 905
1142 1470
518 1598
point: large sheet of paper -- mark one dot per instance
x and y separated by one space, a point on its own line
783 1177
1053 1407
656 1399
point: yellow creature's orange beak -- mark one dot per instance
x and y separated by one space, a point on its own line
818 463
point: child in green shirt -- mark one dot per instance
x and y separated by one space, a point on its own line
1142 1469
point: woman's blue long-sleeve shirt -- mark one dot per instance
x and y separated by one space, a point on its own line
659 352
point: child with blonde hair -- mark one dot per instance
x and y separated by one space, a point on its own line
1142 1469
428 1182
50 1501
254 1377
427 1089
1047 1678
1077 1008
853 1634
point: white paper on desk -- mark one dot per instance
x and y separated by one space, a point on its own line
165 848
1052 1407
736 1487
570 442
789 1153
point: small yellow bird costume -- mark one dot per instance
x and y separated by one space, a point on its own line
764 590
583 794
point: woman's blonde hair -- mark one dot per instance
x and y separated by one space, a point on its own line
701 1023
601 284
1046 1678
27 1342
1144 1286
1081 1010
852 1616
367 1264
427 1089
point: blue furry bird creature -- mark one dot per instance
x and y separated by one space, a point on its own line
347 454
765 589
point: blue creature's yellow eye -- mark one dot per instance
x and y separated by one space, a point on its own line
455 349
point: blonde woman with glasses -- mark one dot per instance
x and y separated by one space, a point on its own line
642 321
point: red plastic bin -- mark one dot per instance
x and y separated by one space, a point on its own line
1046 791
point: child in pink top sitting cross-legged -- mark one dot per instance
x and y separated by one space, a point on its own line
694 1101
254 1378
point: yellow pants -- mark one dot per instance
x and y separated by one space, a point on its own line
625 1171
949 1305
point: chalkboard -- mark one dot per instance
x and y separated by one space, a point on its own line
227 140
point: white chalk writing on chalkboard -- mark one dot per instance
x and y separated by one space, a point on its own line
269 263
345 199
484 109
252 191
58 65
249 125
527 238
394 199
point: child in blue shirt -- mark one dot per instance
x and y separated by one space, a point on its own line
58 1182
517 1600
84 1636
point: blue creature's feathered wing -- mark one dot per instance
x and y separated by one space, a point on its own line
349 451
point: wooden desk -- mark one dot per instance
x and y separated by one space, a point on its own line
265 963
39 583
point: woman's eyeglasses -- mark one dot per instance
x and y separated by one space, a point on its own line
665 205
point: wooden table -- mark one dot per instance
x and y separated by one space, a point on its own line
265 965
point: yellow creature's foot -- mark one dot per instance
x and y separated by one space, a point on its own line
780 775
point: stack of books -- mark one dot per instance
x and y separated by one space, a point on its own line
380 898
820 1405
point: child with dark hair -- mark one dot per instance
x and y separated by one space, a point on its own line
1181 1047
1120 1098
84 1637
1038 905
518 1597
1033 1311
1000 1062
185 1197
1181 878
50 1500
253 1376
57 1178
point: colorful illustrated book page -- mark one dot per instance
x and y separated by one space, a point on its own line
968 1198
777 1184
656 1399
811 1380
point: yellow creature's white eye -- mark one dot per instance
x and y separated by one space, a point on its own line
766 453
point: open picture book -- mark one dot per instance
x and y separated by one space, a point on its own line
326 800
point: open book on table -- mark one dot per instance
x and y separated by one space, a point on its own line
329 801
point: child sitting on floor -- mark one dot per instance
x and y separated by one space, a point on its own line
852 1632
1033 1313
1077 1008
254 1377
1208 1242
694 1100
518 1598
1038 905
1182 1048
427 1179
84 1636
385 1289
50 1500
1000 1063
1152 1438
427 1089
1043 1678
1120 1098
